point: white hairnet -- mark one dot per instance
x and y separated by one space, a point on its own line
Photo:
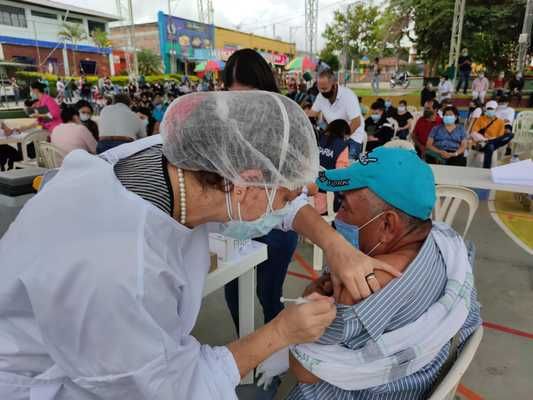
231 132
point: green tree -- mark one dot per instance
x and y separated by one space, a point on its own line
72 33
359 28
100 38
330 58
490 30
149 62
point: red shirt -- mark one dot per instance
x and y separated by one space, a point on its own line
424 126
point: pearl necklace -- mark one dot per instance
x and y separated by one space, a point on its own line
183 199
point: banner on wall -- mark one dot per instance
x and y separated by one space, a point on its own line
184 38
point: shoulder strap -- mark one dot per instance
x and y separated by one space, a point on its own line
491 122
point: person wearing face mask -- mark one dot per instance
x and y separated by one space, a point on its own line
489 133
85 110
147 119
445 88
158 110
50 116
136 265
447 143
71 134
339 102
390 110
386 213
380 128
404 119
505 112
430 118
480 86
465 68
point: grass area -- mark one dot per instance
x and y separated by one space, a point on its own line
383 93
11 114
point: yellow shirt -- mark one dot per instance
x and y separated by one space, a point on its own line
496 129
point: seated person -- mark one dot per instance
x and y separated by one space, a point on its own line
404 119
390 110
430 118
427 94
489 133
505 112
475 110
8 154
85 110
447 142
378 127
386 213
333 149
71 134
516 85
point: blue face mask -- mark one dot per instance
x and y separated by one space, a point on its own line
375 117
243 230
449 119
388 104
491 113
351 232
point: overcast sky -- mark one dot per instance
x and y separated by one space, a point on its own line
256 16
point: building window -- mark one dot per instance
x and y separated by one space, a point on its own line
95 25
12 16
74 20
43 14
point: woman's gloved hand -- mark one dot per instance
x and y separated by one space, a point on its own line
305 323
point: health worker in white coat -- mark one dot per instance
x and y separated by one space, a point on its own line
103 270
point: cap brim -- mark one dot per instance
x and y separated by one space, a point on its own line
342 179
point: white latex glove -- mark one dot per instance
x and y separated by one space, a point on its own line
276 364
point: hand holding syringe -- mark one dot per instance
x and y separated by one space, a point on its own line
298 300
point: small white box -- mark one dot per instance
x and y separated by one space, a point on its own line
226 249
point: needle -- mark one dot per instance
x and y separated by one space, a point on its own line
299 300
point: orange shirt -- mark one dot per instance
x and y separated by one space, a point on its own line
496 129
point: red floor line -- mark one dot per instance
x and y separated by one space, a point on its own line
468 394
301 276
305 265
506 329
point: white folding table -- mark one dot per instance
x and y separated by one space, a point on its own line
478 178
242 268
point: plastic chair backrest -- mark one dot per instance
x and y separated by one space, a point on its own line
395 126
523 127
52 156
447 388
399 143
449 199
35 138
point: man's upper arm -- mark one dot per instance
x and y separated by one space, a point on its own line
317 105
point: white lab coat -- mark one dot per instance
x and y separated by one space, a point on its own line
92 276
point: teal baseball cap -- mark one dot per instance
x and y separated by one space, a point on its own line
397 176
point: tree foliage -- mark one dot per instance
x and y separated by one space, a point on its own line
330 58
73 33
359 28
149 62
100 38
490 30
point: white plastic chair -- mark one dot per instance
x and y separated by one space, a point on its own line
449 199
447 388
35 138
50 156
412 109
395 127
523 132
318 256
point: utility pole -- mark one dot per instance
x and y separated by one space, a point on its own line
206 11
132 38
524 39
274 31
311 21
457 33
125 12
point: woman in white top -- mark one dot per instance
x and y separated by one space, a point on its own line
71 134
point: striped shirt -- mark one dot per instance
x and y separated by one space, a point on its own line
145 174
399 303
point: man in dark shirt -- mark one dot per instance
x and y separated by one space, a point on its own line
428 93
378 127
465 67
516 85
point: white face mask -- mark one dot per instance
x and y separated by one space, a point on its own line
85 117
401 109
